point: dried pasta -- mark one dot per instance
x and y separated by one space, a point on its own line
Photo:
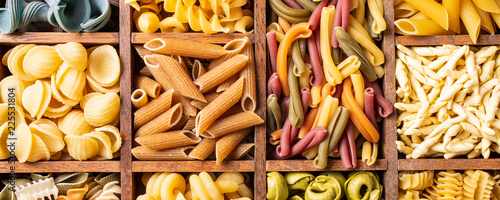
168 140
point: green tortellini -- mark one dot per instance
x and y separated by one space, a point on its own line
277 189
298 180
324 188
372 189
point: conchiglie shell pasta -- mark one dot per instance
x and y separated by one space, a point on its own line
81 147
12 82
39 150
36 98
114 136
49 132
74 123
4 134
18 114
41 61
87 97
103 142
23 143
103 109
98 88
59 96
74 54
56 109
16 60
104 65
70 81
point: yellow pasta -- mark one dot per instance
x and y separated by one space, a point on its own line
161 123
81 147
114 136
185 48
103 142
133 3
349 66
179 153
488 5
36 99
172 25
148 22
17 84
376 10
359 88
404 10
226 144
168 140
243 24
209 184
486 22
74 123
70 82
16 62
203 149
198 187
103 109
39 150
99 88
49 133
139 98
104 65
470 18
73 54
332 74
433 10
420 27
453 9
153 109
41 61
151 87
172 184
232 123
220 73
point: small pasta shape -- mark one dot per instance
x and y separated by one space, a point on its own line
172 185
161 123
226 144
203 149
70 82
185 48
16 62
151 87
179 153
148 22
4 134
73 54
99 88
59 96
12 82
103 109
74 123
139 98
104 66
449 184
153 109
81 147
168 140
221 73
36 98
41 61
87 97
103 142
49 132
231 124
24 137
39 150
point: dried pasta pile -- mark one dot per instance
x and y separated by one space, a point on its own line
61 101
325 97
448 98
203 185
75 186
428 17
327 185
177 16
204 108
449 184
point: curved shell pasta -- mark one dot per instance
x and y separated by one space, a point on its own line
16 60
87 97
39 150
41 61
103 109
70 82
24 142
104 178
98 88
12 82
81 147
4 117
58 96
103 142
56 109
4 134
36 98
104 65
74 123
114 136
74 54
49 132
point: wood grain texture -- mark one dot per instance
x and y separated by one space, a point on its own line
53 38
193 166
62 166
445 164
218 38
446 39
333 165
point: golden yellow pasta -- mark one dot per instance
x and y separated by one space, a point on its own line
81 147
173 186
104 66
148 22
94 85
151 87
49 133
74 123
12 82
226 144
16 62
231 124
185 48
161 123
153 109
433 10
73 54
59 96
39 150
179 153
114 136
103 109
168 140
103 142
70 82
41 61
471 19
36 99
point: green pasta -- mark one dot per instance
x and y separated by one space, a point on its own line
295 110
298 180
273 113
336 55
363 186
339 177
324 187
277 188
307 4
351 47
299 66
289 14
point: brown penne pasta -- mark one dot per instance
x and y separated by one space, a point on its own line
179 78
218 106
190 124
221 73
232 48
182 122
160 76
240 151
142 51
249 96
179 153
139 98
233 110
197 69
185 48
161 123
227 143
153 109
275 137
203 149
168 140
231 124
181 61
209 97
145 72
227 83
150 86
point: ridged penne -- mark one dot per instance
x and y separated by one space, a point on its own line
179 78
168 140
218 106
220 73
203 149
139 98
453 9
179 153
161 123
249 96
190 124
470 18
41 61
153 109
142 51
104 66
231 124
404 10
240 151
151 87
182 122
209 97
233 47
185 48
486 22
420 27
227 83
73 54
226 144
432 9
103 109
491 6
197 69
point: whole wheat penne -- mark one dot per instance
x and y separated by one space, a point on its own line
218 106
179 78
181 61
227 83
139 98
221 73
209 97
240 151
231 124
145 72
197 69
161 77
153 109
185 48
161 123
182 122
227 143
190 124
168 140
142 51
179 153
233 47
203 149
151 87
249 96
233 110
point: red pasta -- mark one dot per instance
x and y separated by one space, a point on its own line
314 18
370 106
317 77
274 85
292 4
272 45
312 138
347 147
